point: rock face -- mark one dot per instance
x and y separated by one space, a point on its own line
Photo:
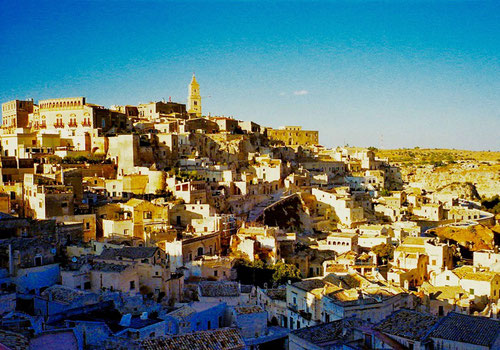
464 190
484 178
286 214
474 238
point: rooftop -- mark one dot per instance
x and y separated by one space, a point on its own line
182 312
309 284
467 329
407 324
218 339
472 273
329 333
107 267
63 294
277 293
128 252
250 309
219 289
14 341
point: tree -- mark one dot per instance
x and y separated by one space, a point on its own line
384 251
284 272
53 159
385 192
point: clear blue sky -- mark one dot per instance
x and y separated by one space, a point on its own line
368 73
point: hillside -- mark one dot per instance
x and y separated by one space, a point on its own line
432 156
475 238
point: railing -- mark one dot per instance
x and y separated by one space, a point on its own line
86 123
59 125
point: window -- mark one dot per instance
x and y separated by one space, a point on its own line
38 260
132 285
471 291
215 273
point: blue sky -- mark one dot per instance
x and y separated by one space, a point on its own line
391 73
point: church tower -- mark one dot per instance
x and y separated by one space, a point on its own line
194 98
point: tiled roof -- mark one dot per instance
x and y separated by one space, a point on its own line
352 280
218 339
407 324
128 252
182 312
13 341
310 284
106 267
63 293
277 294
467 329
250 309
20 243
219 289
329 332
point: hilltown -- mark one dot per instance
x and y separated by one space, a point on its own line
157 227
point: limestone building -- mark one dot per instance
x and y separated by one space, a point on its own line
15 114
293 136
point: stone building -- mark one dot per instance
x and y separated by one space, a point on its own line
15 114
293 136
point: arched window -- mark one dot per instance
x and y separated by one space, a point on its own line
200 251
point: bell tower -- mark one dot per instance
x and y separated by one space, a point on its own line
194 98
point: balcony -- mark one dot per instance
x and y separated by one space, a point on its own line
86 123
73 124
42 126
59 125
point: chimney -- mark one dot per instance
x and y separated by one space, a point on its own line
11 261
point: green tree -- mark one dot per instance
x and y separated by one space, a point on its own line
284 272
385 192
384 251
53 159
